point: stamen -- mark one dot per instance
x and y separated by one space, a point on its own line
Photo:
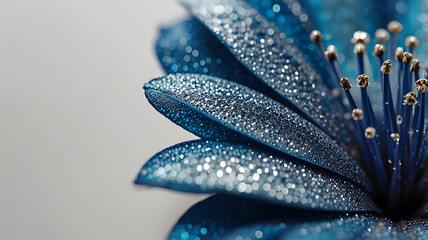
388 114
374 142
360 37
395 136
421 86
382 35
357 114
411 42
407 84
370 132
379 50
399 57
395 28
360 49
414 67
316 37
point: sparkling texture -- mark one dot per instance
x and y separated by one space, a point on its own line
221 110
189 47
206 166
252 219
273 58
276 138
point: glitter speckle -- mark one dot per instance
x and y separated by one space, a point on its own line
315 189
218 109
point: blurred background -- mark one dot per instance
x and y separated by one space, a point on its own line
75 127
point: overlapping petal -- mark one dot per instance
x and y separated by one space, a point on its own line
218 109
293 20
189 47
206 166
222 215
352 226
227 217
274 59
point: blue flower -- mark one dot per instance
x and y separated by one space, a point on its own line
289 146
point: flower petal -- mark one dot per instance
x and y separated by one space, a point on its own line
220 215
417 227
352 226
189 47
221 110
274 59
206 166
292 19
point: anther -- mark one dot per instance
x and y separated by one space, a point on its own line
386 67
395 27
360 37
399 54
316 36
345 84
379 50
330 55
357 114
363 81
407 57
411 42
395 136
332 48
415 66
382 35
410 99
359 48
370 132
421 85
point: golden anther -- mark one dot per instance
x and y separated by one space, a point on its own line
421 85
370 132
395 136
360 37
382 35
359 48
415 66
357 114
395 27
407 57
316 36
363 81
410 99
379 50
330 55
345 84
399 54
386 67
411 42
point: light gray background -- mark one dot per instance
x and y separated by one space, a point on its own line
75 127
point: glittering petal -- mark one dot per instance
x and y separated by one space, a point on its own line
353 226
206 166
221 215
218 109
292 19
273 58
189 47
418 228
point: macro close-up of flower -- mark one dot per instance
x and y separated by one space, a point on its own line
311 119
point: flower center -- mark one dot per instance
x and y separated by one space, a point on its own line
393 149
